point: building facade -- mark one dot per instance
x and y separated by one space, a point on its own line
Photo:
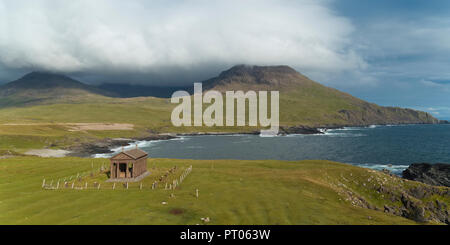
128 165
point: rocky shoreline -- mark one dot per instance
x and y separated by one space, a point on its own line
105 145
419 202
414 203
433 174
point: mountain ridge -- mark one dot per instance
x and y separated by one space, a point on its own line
46 87
44 80
303 102
257 77
325 106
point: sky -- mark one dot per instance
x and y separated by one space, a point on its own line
393 53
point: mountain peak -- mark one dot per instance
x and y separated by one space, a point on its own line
257 78
44 80
254 70
36 74
41 79
39 84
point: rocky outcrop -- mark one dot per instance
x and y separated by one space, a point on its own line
416 204
391 194
368 114
299 130
432 174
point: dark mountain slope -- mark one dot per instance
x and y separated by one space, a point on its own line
133 90
43 87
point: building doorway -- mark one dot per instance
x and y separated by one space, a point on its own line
122 170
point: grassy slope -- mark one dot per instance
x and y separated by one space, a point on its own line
231 192
314 105
144 113
297 107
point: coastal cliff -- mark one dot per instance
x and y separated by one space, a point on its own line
432 174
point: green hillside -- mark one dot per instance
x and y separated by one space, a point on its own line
302 101
230 192
308 103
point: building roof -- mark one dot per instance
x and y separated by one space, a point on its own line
134 153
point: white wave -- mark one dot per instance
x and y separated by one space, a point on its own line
194 147
395 169
341 134
180 138
268 135
345 135
103 155
350 128
295 135
392 125
232 135
132 145
355 128
328 134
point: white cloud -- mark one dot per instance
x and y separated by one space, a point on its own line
435 85
143 36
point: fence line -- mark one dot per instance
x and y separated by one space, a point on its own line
79 176
69 184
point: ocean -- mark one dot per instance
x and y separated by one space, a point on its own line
393 147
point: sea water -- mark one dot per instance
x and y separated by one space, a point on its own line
393 147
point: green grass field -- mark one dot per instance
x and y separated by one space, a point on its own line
230 192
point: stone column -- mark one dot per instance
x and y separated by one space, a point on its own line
111 176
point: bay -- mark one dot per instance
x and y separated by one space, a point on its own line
393 147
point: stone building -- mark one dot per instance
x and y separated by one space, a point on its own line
129 166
